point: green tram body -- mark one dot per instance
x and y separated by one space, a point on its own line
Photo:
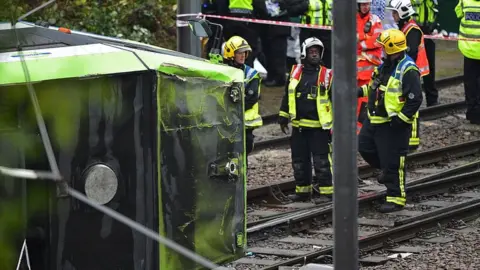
154 134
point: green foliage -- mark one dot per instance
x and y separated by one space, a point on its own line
148 21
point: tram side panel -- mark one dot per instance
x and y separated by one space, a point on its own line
104 141
201 168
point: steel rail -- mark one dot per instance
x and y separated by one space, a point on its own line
441 83
404 231
419 158
442 174
415 189
465 211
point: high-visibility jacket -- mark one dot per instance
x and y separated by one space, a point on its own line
469 13
323 101
253 119
425 11
319 13
393 103
240 5
369 52
422 60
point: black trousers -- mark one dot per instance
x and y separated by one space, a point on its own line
385 148
274 47
247 31
431 92
249 141
305 145
325 36
471 83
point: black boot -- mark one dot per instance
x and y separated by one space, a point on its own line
389 207
300 197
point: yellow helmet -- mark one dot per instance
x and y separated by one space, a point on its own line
234 45
393 41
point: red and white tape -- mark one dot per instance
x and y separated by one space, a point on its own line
301 25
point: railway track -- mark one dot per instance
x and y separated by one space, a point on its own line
448 197
426 114
273 194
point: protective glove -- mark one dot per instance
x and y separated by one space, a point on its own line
398 123
283 122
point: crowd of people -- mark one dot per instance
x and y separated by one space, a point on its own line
393 58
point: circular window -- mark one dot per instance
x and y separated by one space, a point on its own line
101 183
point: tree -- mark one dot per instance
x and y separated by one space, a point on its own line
148 21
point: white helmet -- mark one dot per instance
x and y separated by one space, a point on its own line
403 7
364 1
309 42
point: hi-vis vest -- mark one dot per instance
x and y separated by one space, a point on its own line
241 4
426 11
324 105
469 12
422 60
393 92
253 118
319 12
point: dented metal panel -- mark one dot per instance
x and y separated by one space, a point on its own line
202 166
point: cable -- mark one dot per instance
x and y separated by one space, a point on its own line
55 175
142 229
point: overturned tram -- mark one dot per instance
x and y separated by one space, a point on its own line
153 134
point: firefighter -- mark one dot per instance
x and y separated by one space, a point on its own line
468 12
402 11
316 12
235 52
394 97
369 53
307 103
426 12
249 31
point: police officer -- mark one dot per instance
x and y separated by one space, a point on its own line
426 16
468 11
402 10
316 12
249 31
307 103
394 98
235 52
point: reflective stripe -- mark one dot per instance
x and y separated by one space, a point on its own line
303 189
327 190
283 114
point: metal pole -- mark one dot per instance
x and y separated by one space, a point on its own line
186 41
344 135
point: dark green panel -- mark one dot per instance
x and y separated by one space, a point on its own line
202 204
447 18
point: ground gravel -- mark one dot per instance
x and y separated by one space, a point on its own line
462 254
